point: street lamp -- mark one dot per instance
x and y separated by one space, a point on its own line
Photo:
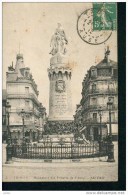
8 109
38 134
110 144
23 116
100 114
100 140
110 105
42 111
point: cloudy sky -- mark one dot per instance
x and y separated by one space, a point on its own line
32 25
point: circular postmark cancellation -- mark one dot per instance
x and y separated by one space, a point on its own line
94 26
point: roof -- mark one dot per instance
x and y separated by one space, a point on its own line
104 62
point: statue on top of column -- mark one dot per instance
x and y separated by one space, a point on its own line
58 41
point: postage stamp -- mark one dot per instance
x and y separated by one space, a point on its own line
104 16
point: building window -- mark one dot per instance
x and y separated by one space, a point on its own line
93 87
27 90
93 101
115 73
112 116
111 87
111 99
94 115
26 74
27 134
27 103
93 73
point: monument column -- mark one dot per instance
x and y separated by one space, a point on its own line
60 102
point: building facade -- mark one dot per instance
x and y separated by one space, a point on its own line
99 86
22 93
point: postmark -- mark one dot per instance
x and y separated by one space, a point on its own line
86 30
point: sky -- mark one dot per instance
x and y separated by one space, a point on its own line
31 25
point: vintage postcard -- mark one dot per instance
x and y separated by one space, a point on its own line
60 92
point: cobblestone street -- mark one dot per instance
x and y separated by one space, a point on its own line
85 170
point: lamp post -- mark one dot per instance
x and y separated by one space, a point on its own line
100 139
110 144
8 109
23 116
100 114
42 111
109 105
38 134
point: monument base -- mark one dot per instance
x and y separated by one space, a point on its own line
59 127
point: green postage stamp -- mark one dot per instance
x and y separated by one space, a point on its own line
104 16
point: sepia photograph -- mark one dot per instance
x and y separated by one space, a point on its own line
60 92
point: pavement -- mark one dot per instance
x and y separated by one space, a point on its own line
93 169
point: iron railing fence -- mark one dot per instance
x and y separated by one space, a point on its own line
58 151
